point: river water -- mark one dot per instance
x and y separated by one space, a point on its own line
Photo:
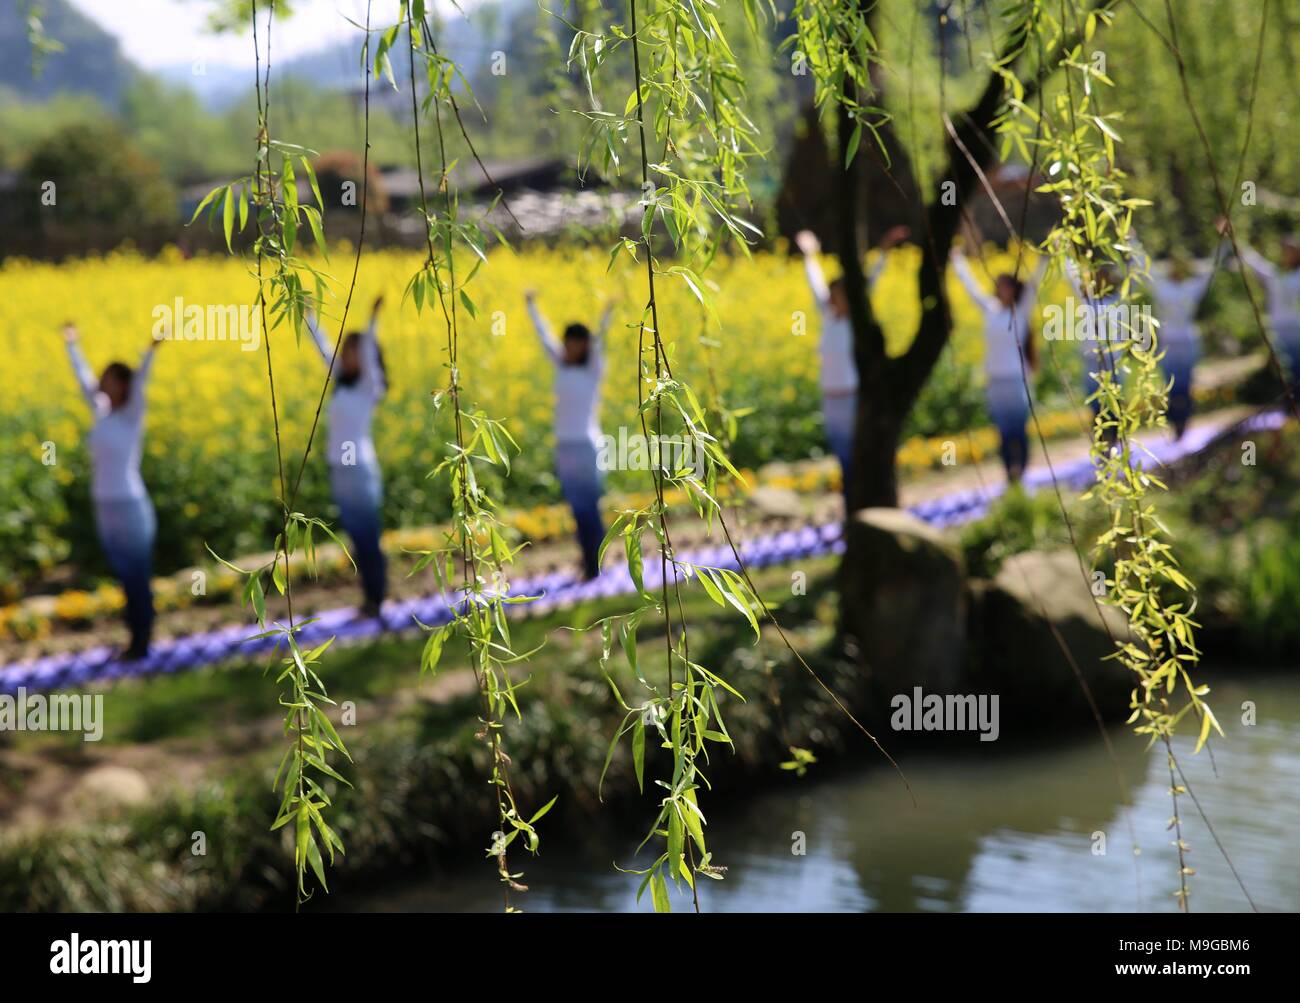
995 829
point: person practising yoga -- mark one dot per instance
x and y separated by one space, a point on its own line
839 371
579 363
357 483
124 515
1177 287
1282 284
1102 326
1007 340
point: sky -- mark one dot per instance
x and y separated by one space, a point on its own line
161 33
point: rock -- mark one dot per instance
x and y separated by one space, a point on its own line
1017 655
108 787
778 502
904 602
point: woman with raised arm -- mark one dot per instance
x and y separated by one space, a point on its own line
1282 283
578 363
1100 309
1009 356
360 382
1177 287
839 371
124 515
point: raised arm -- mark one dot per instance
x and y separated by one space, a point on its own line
1074 276
140 379
1202 274
372 369
810 246
606 317
543 328
1206 266
873 274
596 352
983 300
323 344
1137 260
1257 263
1034 281
80 367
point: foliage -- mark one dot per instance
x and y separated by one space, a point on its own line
685 100
1162 151
1075 138
678 124
341 167
1016 522
473 561
99 178
288 288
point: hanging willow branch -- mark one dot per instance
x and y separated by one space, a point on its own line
1095 241
288 286
475 561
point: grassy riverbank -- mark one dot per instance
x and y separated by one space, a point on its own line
205 744
418 776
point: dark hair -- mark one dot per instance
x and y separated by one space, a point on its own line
349 379
579 332
1017 284
1107 279
120 370
837 285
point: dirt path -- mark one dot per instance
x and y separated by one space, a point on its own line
987 474
767 510
58 784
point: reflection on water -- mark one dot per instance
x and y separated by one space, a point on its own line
1009 830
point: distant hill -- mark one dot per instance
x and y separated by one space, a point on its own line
334 67
91 61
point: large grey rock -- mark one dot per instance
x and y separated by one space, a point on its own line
1037 604
903 602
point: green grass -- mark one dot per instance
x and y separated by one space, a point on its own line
418 774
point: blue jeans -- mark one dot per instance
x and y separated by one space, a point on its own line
1008 405
840 413
582 484
1097 362
1288 339
127 528
359 493
1179 362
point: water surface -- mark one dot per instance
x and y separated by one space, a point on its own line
996 828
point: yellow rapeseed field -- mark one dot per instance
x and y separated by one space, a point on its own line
209 447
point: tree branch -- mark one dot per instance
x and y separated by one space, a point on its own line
943 217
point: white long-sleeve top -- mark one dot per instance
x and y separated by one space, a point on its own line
577 388
116 436
353 407
1104 316
1006 329
839 371
1177 300
1283 289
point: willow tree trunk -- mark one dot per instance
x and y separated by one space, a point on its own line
874 482
890 386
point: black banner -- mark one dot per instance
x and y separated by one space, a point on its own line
972 951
